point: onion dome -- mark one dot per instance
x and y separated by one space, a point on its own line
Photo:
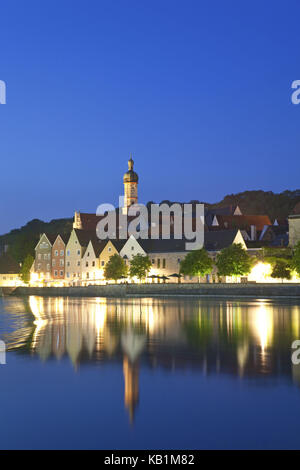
130 176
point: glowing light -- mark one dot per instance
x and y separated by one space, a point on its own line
264 325
260 272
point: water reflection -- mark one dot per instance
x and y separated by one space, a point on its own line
248 339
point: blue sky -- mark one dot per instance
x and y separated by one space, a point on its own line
199 91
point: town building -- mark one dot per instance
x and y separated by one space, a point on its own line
43 257
58 256
294 226
9 271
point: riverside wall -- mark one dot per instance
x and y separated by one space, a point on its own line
152 290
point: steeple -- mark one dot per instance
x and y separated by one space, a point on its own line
130 180
130 163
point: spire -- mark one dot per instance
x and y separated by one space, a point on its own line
130 163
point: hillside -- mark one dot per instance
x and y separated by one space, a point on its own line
22 241
276 206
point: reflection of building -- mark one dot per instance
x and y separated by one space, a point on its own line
131 379
241 338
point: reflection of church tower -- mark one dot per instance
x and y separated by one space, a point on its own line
130 185
131 378
132 345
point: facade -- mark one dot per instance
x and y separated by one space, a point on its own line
58 259
75 250
294 229
111 248
90 270
43 257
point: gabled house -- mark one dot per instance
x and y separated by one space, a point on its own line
58 256
43 257
131 248
75 249
90 265
111 247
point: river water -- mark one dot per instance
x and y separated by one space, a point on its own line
176 373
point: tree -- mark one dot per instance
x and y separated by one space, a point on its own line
115 268
281 270
296 258
233 261
140 266
25 269
196 263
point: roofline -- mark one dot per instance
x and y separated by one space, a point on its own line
41 238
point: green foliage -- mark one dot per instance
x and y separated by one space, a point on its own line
22 241
140 266
281 270
115 268
233 261
25 270
296 258
196 263
262 202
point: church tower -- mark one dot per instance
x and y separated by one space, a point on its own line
131 180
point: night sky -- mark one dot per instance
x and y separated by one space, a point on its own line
198 91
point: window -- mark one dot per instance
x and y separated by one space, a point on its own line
178 261
102 263
109 248
164 263
78 252
158 262
88 254
68 253
56 252
53 262
61 273
93 263
55 273
39 256
61 262
45 256
132 248
153 261
87 264
78 263
68 274
48 267
62 252
68 263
